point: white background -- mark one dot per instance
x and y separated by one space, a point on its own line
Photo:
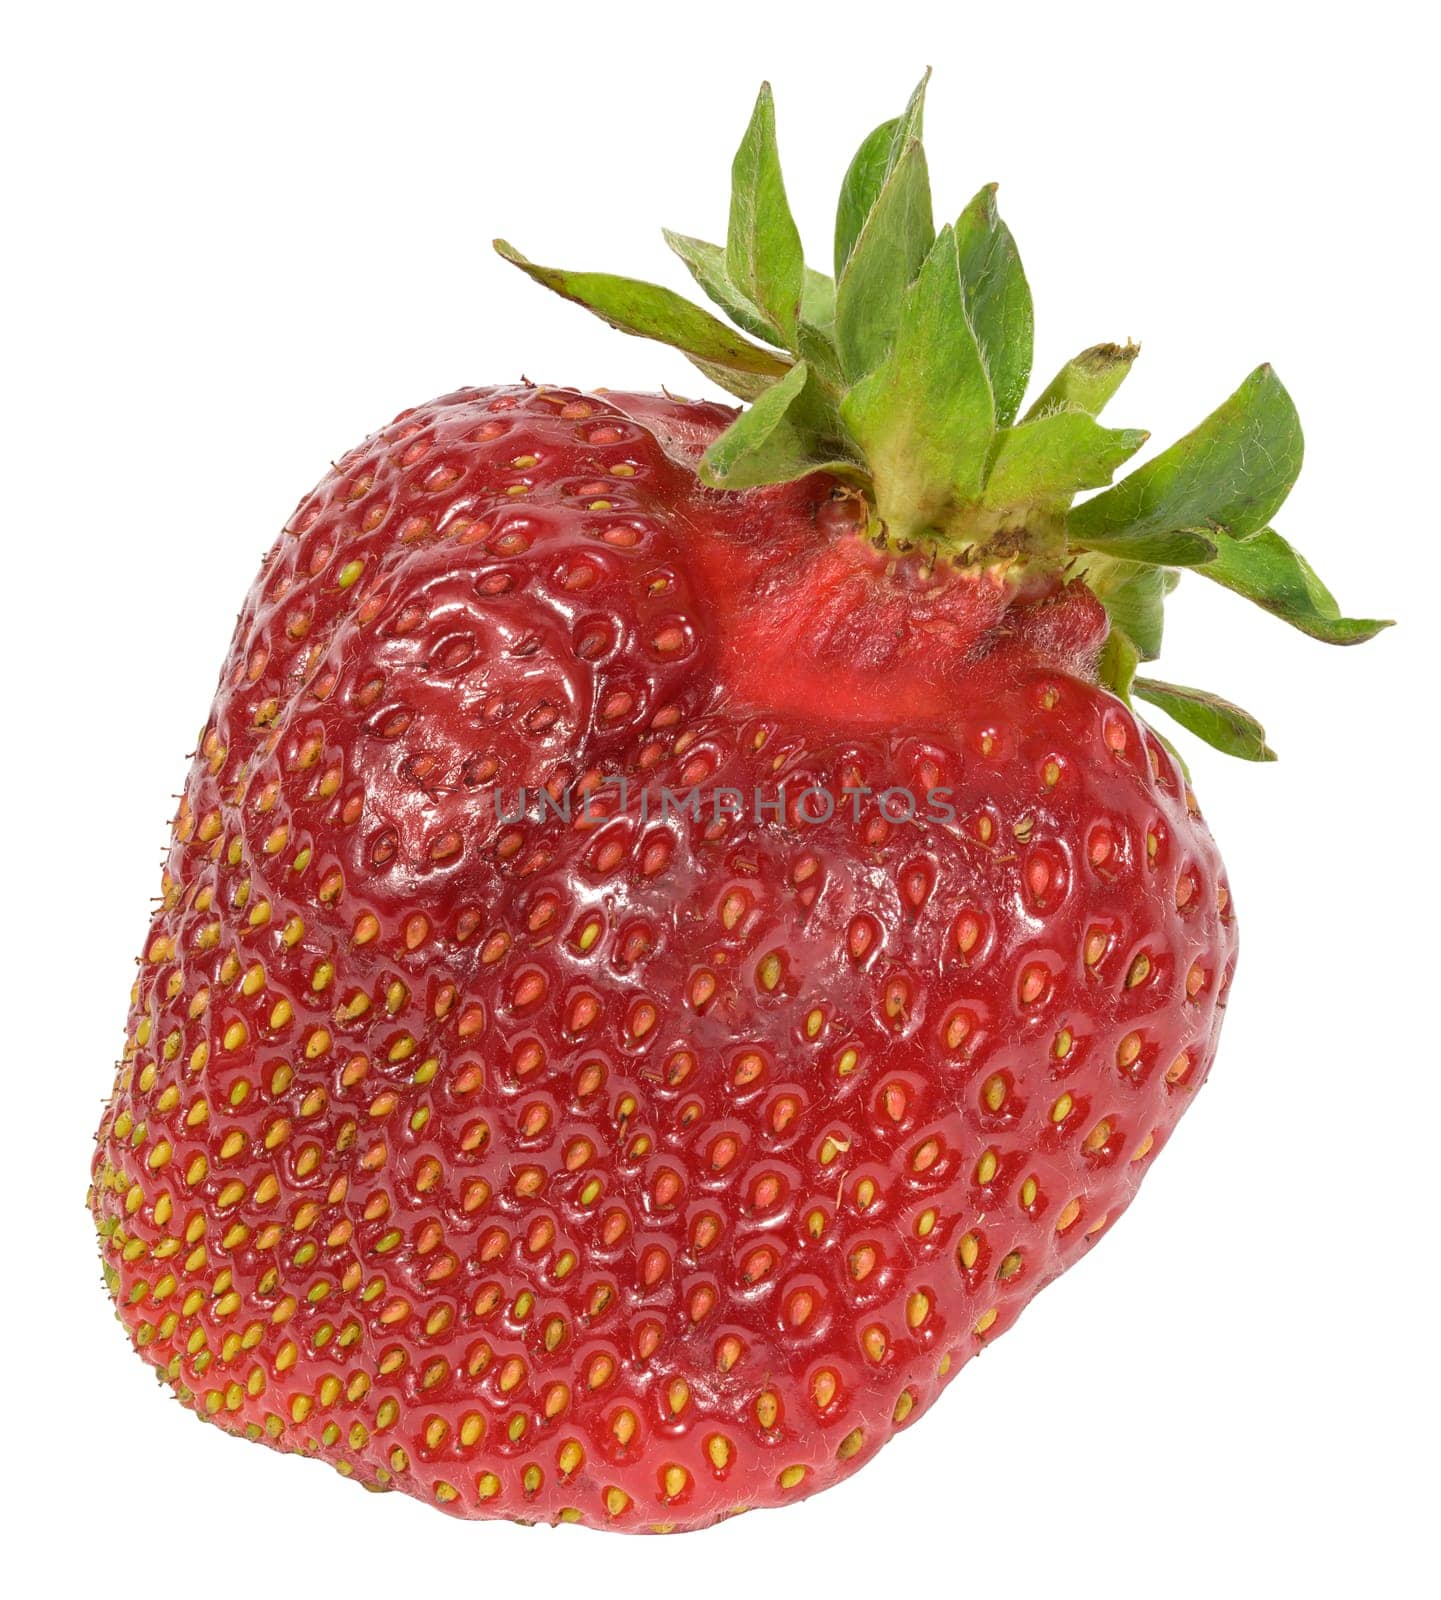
242 237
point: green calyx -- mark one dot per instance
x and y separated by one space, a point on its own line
904 376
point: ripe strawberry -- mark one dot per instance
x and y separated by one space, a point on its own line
674 932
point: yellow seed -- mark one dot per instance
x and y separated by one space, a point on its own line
1098 1136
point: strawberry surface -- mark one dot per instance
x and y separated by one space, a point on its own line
647 984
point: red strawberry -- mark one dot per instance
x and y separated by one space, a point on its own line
674 933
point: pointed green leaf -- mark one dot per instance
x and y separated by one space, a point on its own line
651 312
763 245
923 418
859 188
1087 381
1231 473
707 265
998 301
908 124
1177 547
1119 659
1049 459
745 386
869 169
818 299
817 349
788 432
1209 717
1134 596
1264 568
887 256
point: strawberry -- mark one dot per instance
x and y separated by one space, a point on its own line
675 930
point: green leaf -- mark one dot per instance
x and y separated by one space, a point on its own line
816 348
1134 596
707 265
1264 568
1209 717
1087 381
788 432
998 300
1231 473
859 188
651 312
1049 459
763 246
870 167
924 417
908 124
1119 659
887 256
745 386
816 335
818 299
1177 547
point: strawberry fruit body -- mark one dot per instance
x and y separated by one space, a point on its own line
674 931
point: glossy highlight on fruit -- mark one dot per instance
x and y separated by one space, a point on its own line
556 1148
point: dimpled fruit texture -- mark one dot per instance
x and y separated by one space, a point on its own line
641 1164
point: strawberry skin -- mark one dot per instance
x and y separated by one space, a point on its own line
635 1167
